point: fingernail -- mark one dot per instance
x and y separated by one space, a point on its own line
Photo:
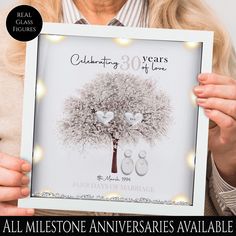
25 180
201 100
202 77
26 167
198 89
25 191
30 211
207 111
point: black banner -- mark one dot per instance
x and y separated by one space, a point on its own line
118 225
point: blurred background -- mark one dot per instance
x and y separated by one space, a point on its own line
225 10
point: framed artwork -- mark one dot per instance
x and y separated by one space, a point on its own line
110 122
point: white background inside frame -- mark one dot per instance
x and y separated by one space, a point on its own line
68 172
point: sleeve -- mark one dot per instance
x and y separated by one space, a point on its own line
222 194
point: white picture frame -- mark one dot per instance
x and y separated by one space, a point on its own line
205 38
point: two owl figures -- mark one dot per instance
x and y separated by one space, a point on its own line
128 166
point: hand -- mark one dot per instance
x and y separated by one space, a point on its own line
13 185
217 95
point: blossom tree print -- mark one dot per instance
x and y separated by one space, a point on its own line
116 107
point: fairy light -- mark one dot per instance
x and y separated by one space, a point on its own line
55 38
191 160
193 98
38 154
181 198
46 190
192 45
112 195
123 41
41 89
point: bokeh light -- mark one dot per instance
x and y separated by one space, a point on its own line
192 45
123 41
38 154
55 38
181 198
41 89
191 160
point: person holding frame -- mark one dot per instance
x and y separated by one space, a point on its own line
216 93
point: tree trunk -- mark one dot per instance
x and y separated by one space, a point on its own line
114 156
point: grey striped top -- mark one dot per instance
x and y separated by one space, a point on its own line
134 13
